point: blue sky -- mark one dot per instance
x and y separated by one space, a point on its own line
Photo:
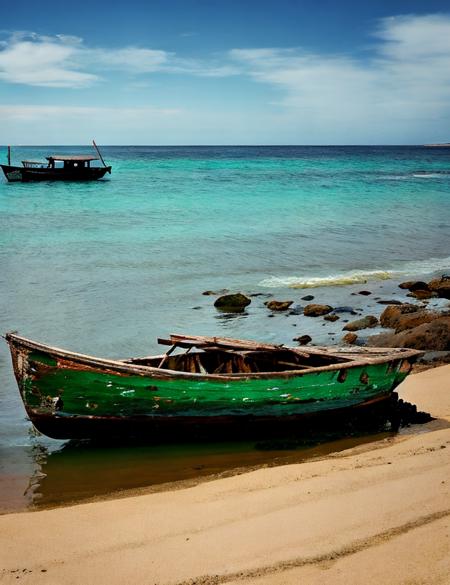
210 72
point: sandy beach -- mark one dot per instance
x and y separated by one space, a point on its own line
378 513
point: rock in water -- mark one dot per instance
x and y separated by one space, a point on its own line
441 286
232 303
278 305
350 338
303 339
331 317
422 294
316 310
434 336
413 285
365 293
364 323
308 298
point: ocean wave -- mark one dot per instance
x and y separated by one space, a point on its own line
358 277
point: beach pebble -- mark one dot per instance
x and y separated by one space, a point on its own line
350 338
303 339
365 293
232 303
278 305
364 323
316 310
308 298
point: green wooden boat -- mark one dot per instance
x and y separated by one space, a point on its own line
200 384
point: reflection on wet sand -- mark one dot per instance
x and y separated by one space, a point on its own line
79 472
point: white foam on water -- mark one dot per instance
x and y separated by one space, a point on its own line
359 276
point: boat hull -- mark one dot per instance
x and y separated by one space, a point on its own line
73 396
16 174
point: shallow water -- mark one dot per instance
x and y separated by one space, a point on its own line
107 267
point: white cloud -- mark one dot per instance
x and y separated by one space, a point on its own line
406 80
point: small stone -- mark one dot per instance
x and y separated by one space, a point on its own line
350 310
331 317
350 338
365 293
278 305
390 302
308 298
303 339
316 310
364 323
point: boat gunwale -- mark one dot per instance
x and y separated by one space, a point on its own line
129 368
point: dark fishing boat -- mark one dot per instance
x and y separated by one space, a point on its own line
217 384
59 167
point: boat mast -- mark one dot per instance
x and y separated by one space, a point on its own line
9 156
99 153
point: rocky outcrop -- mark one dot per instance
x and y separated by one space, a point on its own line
316 310
278 305
392 313
433 336
232 303
406 316
441 286
364 323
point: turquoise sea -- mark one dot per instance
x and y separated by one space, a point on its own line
107 267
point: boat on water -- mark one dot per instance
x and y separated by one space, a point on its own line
204 385
59 167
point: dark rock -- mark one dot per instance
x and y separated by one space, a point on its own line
441 286
414 285
260 295
391 314
232 303
350 310
215 292
365 293
364 323
303 339
390 302
278 305
308 298
316 310
350 338
331 317
433 336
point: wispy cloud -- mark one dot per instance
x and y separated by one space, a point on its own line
408 76
66 61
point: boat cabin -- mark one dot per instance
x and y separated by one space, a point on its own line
71 162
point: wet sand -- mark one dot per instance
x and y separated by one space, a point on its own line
375 513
